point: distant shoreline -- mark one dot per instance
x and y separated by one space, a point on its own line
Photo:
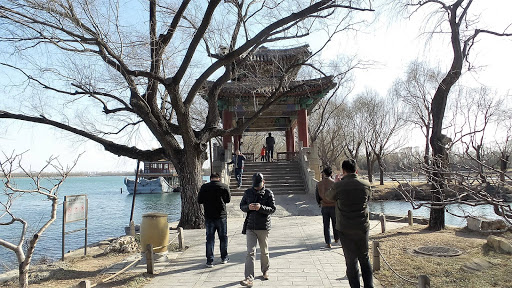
78 174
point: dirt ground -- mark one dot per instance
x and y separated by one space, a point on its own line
77 268
397 248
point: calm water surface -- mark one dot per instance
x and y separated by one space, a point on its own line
109 213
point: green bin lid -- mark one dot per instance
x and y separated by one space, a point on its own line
154 215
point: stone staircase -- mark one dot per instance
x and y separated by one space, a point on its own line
281 177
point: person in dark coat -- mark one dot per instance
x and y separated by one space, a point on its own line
270 141
259 203
352 195
214 195
238 160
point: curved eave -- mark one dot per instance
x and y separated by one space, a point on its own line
265 88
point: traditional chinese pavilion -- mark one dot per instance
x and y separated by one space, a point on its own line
271 73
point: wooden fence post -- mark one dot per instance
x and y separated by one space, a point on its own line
409 216
84 284
376 256
382 219
423 281
181 239
150 259
132 228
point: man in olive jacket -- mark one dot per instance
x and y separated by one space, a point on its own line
259 203
352 195
214 196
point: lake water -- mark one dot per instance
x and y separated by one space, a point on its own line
109 213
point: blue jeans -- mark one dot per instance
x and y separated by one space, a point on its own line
355 248
221 226
329 215
238 176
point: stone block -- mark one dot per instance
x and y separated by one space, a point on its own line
500 244
483 224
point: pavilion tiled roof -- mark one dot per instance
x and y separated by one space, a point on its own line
271 63
265 87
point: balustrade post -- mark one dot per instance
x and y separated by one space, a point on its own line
376 256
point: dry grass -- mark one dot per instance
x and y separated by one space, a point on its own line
77 268
397 248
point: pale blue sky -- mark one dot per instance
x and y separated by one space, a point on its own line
393 47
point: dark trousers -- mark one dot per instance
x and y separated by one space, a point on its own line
329 217
270 153
355 248
221 226
238 176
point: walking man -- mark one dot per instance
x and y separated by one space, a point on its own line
270 141
238 160
328 207
214 195
259 203
352 195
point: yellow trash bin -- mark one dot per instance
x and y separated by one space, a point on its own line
154 229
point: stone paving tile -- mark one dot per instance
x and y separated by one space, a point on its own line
297 256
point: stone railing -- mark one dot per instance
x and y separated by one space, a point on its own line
307 173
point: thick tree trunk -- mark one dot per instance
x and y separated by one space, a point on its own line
426 155
369 164
480 164
381 170
190 175
503 166
23 275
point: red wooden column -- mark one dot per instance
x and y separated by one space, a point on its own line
290 142
227 123
302 121
288 137
237 142
292 138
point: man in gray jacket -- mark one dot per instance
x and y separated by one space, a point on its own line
352 195
259 203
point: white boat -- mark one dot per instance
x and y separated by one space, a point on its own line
156 178
154 186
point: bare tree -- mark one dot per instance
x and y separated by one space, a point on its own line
456 20
504 145
385 126
366 109
144 66
330 141
416 92
479 108
10 166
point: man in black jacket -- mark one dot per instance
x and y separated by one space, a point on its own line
214 196
352 195
259 203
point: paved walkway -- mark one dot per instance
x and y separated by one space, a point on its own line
297 256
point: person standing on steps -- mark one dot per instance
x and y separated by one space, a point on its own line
263 153
259 203
214 195
270 141
352 195
328 207
238 160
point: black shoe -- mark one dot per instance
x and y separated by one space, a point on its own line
224 261
209 265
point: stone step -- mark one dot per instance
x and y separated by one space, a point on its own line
281 177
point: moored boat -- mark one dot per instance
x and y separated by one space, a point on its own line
156 178
145 186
